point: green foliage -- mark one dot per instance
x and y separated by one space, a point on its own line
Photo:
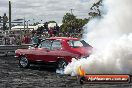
68 17
51 22
36 23
95 10
70 21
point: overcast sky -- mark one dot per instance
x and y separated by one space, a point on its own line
46 9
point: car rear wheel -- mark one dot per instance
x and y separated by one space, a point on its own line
24 62
62 64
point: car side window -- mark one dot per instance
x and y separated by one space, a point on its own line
56 45
46 44
75 43
70 43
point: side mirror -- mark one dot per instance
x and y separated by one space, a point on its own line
30 47
35 45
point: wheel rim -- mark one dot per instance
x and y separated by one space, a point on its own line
62 64
23 62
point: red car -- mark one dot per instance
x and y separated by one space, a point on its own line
60 50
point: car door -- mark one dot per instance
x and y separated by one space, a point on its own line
56 50
43 51
50 50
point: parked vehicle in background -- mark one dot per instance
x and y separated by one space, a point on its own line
58 50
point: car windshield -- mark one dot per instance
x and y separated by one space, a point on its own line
77 43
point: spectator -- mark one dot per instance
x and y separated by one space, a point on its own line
12 40
50 31
3 40
55 31
43 36
18 40
35 39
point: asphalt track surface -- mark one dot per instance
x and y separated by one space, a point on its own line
11 76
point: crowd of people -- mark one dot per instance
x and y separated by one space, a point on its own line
10 40
34 37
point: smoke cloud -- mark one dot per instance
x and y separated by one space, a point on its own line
111 37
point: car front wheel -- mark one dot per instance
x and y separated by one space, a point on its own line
24 62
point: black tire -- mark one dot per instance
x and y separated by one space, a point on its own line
62 64
81 80
24 62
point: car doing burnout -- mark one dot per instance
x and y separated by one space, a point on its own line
60 50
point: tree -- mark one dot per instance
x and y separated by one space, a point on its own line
40 30
36 23
51 22
68 18
95 10
70 22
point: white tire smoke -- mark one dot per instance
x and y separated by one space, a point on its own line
112 41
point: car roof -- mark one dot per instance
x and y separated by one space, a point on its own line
63 38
